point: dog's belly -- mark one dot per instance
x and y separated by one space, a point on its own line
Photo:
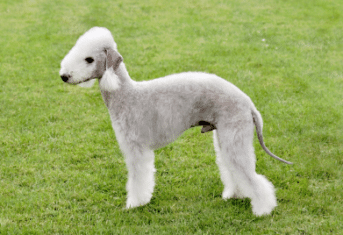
161 135
164 136
161 143
162 128
169 137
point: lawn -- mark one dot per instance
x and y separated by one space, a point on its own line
61 170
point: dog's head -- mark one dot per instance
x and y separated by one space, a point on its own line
93 54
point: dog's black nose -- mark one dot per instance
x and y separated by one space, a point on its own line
65 77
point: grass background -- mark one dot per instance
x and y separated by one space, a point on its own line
61 171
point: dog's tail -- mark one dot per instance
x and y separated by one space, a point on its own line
259 124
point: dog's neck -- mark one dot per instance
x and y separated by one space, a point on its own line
114 83
123 75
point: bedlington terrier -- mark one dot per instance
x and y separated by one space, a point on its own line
150 114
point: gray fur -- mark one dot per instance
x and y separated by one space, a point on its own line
149 115
113 59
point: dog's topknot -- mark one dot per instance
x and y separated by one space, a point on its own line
97 37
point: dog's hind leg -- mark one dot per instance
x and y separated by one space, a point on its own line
237 154
230 186
140 185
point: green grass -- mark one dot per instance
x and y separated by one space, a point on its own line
61 171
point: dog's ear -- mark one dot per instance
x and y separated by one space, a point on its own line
113 59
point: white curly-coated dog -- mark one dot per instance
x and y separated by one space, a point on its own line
150 114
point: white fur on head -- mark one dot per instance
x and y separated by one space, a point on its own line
91 44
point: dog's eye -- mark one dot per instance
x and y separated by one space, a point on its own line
89 60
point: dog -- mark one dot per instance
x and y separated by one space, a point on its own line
151 114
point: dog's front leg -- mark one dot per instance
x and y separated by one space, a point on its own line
140 184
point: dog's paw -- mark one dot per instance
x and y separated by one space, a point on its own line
238 195
265 207
262 210
227 194
134 202
232 193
